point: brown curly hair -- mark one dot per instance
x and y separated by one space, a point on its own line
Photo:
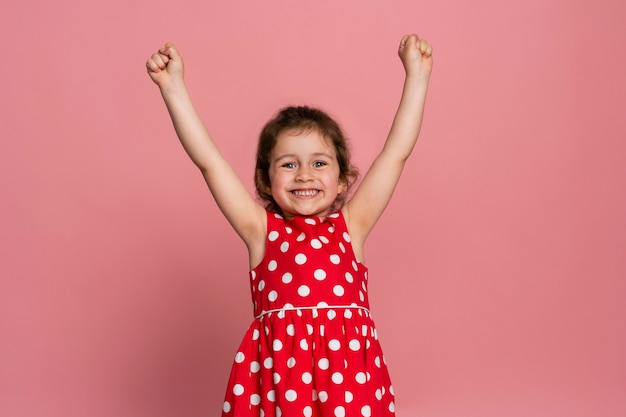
301 119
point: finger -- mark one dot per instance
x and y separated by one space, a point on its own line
429 50
403 41
164 57
170 50
157 58
422 46
152 66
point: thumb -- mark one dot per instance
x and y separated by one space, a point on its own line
169 50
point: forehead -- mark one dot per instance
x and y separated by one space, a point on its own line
302 143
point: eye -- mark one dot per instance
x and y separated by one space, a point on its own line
319 164
288 165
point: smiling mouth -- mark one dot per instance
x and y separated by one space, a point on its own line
305 193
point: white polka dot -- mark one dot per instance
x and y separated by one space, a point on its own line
291 362
301 259
253 275
324 239
340 411
277 345
308 411
337 378
392 407
309 329
226 407
291 395
322 330
348 397
334 345
377 361
238 389
355 266
288 230
346 236
391 390
323 396
268 363
361 378
284 247
276 378
261 413
335 259
331 229
272 265
361 296
379 394
239 357
347 313
316 244
322 304
261 285
255 399
279 412
304 345
331 314
287 277
319 274
271 395
323 364
349 277
342 247
355 345
272 296
307 378
338 290
273 235
366 411
303 291
291 330
301 237
310 221
255 367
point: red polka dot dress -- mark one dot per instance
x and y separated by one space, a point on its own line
312 349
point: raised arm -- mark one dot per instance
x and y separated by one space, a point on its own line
370 199
166 69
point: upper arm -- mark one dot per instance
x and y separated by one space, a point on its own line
245 215
372 196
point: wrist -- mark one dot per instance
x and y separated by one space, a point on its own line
173 87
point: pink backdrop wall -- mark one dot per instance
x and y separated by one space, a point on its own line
498 272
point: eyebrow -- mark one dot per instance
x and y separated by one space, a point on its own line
294 156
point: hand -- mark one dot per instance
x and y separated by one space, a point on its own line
416 55
165 66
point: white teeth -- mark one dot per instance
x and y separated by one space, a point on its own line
305 193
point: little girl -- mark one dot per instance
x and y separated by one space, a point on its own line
312 349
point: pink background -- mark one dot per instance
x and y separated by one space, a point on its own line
498 273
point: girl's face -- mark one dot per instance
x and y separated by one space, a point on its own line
304 174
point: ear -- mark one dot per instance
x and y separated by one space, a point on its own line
258 180
343 184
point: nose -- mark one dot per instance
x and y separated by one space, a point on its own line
304 174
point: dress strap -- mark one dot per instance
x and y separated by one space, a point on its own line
325 307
